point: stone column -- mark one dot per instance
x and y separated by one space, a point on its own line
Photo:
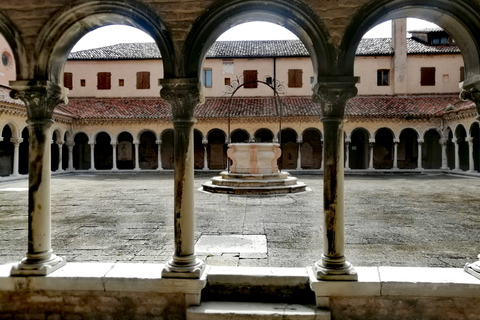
299 157
471 161
332 97
40 99
183 95
16 154
322 165
92 156
60 155
419 158
443 143
159 143
136 145
114 155
347 154
457 156
473 94
371 143
70 145
395 153
205 154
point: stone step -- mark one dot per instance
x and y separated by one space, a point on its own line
254 176
298 187
223 310
221 181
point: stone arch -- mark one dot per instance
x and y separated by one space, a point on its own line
475 135
65 28
408 148
311 149
288 140
293 15
239 136
463 151
148 150
14 40
166 149
216 149
95 134
264 135
103 151
6 151
432 149
458 18
359 148
13 128
383 148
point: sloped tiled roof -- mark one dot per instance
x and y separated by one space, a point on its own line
5 97
361 106
253 49
427 30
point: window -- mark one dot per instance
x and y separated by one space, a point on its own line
269 80
143 80
295 78
227 81
250 79
383 77
312 80
82 83
104 81
68 80
5 59
207 78
121 82
427 76
462 74
159 82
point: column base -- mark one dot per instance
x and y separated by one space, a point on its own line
60 170
472 171
444 168
331 270
159 169
185 268
473 268
36 267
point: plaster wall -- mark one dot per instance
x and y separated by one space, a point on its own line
366 68
7 72
124 69
447 73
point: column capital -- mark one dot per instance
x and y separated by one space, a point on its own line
113 143
299 140
469 140
348 140
443 142
396 141
159 141
371 141
472 94
60 142
184 94
136 142
91 143
40 97
70 144
455 140
420 141
332 94
204 141
16 141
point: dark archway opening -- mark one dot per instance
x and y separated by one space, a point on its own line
148 153
103 152
125 151
217 150
81 152
359 149
383 149
432 150
408 149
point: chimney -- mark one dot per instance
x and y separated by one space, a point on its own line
399 43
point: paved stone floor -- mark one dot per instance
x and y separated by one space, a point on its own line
396 220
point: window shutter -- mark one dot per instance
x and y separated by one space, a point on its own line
143 80
250 78
68 80
104 80
295 78
427 76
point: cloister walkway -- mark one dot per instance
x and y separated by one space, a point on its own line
427 220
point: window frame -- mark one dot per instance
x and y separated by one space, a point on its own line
205 78
68 80
381 77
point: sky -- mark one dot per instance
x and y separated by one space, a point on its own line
110 35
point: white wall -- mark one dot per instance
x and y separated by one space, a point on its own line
7 73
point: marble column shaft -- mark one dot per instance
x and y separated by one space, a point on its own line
183 95
60 155
16 154
40 98
419 157
347 154
299 157
136 145
92 156
457 154
70 146
114 155
332 97
443 143
205 154
395 153
159 154
371 144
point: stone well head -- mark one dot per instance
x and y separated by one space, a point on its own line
254 158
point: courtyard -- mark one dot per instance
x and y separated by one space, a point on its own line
424 220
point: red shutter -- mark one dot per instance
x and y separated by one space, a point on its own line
68 80
295 78
250 78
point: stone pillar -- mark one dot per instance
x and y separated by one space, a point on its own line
114 155
183 95
473 94
92 156
60 155
159 143
299 157
471 161
136 145
419 158
457 155
16 154
347 154
395 153
443 143
371 143
332 97
322 165
205 154
40 99
70 145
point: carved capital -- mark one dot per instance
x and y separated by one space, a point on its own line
16 141
40 97
443 142
333 93
184 94
472 94
420 141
